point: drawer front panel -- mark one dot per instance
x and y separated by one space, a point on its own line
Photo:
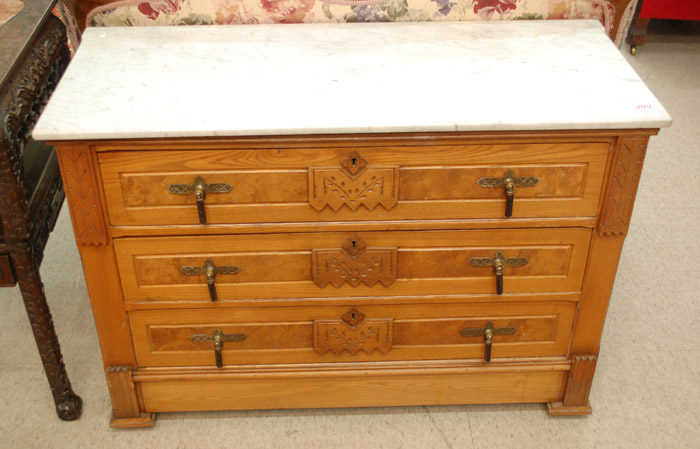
322 184
330 334
320 265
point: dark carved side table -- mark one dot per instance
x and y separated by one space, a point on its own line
33 56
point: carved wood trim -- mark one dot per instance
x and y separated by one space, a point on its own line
580 379
622 186
20 105
78 169
365 335
123 392
353 183
578 387
354 263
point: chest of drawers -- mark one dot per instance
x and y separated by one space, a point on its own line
358 253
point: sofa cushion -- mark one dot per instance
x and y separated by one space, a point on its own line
193 12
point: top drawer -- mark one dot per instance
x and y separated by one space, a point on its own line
345 184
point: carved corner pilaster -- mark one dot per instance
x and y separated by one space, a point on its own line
578 387
622 186
78 168
125 405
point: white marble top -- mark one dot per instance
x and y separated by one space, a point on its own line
144 82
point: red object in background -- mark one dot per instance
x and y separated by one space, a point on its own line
671 9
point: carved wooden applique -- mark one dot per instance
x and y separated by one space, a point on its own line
353 333
353 184
77 167
627 167
354 263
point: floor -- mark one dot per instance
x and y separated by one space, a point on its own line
646 393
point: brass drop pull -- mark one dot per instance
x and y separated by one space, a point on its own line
200 190
218 338
498 262
508 182
210 271
488 331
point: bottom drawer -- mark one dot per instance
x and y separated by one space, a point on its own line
324 334
423 383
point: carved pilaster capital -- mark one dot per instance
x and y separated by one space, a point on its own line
78 168
622 185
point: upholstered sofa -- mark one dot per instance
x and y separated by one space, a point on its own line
615 15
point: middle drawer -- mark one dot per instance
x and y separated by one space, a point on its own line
341 264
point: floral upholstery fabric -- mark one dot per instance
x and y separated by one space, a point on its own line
192 12
9 9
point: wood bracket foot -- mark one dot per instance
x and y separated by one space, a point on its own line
578 387
125 405
143 420
559 409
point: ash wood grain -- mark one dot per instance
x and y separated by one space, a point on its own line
86 200
355 389
271 185
580 379
578 387
350 301
439 222
352 226
622 187
78 170
279 265
286 334
419 139
604 254
125 406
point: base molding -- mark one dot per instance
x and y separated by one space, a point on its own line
143 420
559 409
286 388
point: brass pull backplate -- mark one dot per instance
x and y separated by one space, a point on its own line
200 189
498 262
488 332
210 271
218 338
508 182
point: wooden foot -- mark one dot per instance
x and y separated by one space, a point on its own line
125 406
559 409
639 33
578 387
70 408
143 420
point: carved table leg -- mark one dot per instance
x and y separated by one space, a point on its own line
68 404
